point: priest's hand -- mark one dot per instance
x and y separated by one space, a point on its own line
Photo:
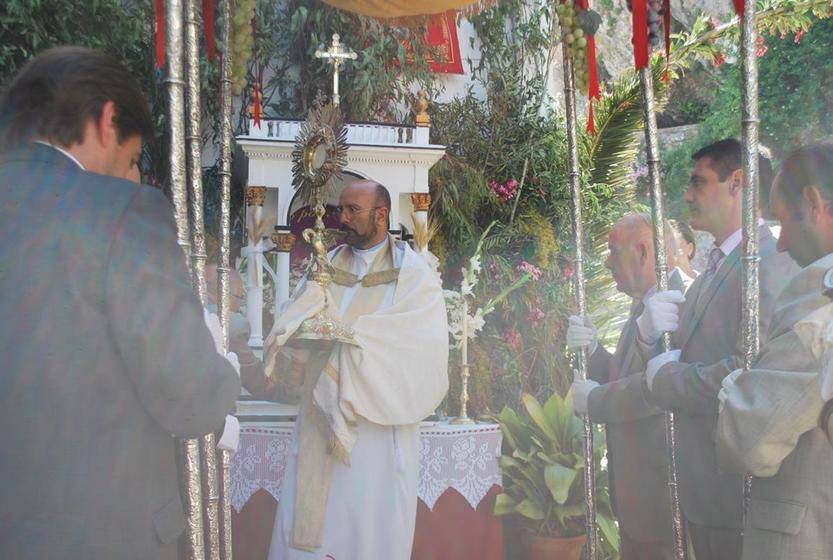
310 301
655 363
661 315
582 334
725 385
581 392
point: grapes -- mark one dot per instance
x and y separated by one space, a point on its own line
576 25
656 11
242 43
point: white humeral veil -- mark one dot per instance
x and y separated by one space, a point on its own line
350 488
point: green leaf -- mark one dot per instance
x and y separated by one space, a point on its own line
531 509
536 412
559 480
569 511
608 528
504 505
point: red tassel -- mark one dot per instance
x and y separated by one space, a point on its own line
640 33
257 73
594 91
208 27
160 34
257 110
667 25
591 121
739 6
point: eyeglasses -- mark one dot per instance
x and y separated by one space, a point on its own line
352 210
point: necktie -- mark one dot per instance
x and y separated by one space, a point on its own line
714 259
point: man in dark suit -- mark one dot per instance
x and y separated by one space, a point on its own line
106 356
708 345
769 418
614 395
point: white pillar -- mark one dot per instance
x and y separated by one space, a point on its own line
421 202
284 241
255 197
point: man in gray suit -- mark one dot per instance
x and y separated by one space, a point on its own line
106 355
614 396
769 418
709 345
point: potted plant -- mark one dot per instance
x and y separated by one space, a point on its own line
543 468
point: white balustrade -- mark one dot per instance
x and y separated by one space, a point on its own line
357 133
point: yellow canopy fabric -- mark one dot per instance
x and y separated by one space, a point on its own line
383 9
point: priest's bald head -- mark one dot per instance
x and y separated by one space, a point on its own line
364 211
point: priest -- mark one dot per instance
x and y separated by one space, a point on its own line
350 488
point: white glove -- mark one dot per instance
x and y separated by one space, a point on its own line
581 334
661 315
230 440
655 363
726 384
581 392
213 324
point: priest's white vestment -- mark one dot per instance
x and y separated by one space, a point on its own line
360 412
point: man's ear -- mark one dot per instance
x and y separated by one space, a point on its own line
642 249
814 201
106 126
736 181
384 215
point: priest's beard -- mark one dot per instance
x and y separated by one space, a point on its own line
360 240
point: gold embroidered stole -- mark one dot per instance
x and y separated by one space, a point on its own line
316 447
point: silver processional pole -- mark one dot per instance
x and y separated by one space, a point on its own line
189 448
225 242
751 179
193 146
646 80
581 354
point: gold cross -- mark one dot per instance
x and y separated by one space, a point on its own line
336 54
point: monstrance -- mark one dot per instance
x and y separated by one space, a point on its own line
317 161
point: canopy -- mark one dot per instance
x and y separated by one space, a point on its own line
407 8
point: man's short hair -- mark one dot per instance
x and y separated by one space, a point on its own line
57 92
806 166
725 156
382 196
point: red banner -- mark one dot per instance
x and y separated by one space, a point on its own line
442 38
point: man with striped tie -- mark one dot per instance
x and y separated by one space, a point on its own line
708 344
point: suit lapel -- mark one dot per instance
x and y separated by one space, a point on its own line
705 294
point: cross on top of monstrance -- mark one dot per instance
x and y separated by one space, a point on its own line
336 55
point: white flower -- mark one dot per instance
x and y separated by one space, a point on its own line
475 264
465 288
476 323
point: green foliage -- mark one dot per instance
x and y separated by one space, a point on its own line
795 99
380 83
543 471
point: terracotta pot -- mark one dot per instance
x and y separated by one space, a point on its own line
548 548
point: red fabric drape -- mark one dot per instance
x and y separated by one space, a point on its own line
640 33
739 6
451 531
160 34
208 27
